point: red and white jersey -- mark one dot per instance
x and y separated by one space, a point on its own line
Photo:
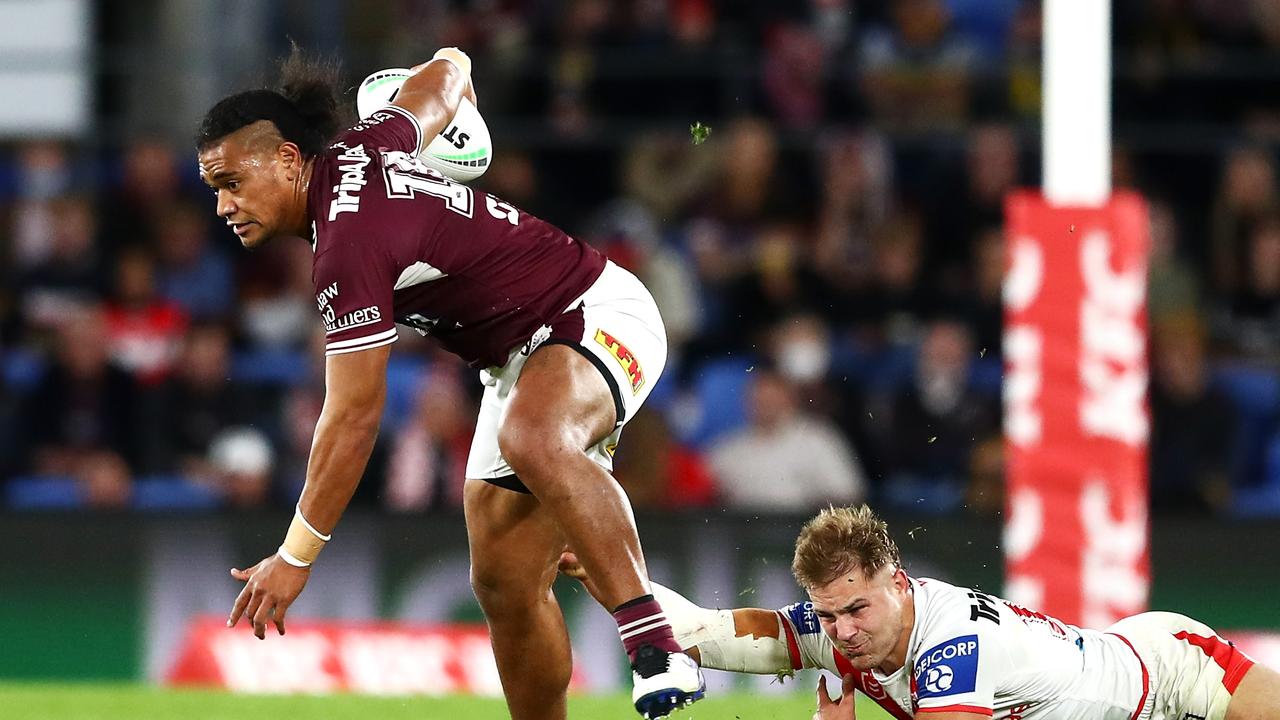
396 242
976 653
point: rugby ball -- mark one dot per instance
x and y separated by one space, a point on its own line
462 151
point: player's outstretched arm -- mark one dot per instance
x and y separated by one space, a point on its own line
436 89
355 388
746 640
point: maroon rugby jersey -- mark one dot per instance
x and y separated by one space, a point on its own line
395 242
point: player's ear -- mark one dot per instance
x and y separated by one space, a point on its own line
290 159
900 579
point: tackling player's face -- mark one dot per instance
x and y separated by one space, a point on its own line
254 173
867 617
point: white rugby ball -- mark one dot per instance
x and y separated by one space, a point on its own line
462 151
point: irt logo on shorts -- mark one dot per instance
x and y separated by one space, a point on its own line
948 669
630 365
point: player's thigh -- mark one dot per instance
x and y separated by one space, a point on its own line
608 353
1257 697
561 402
515 544
1194 671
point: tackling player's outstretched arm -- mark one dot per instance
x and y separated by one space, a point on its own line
355 388
749 640
435 90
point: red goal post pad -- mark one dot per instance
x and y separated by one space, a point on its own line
1076 416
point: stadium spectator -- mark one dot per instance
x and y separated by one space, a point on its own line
191 272
196 403
1252 318
43 174
427 462
669 175
144 330
81 420
150 181
1173 288
793 76
785 459
925 432
754 183
631 236
780 283
1246 195
959 208
916 69
856 172
1193 424
658 471
892 309
53 291
239 466
277 308
984 308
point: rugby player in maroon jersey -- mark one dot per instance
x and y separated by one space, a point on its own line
568 344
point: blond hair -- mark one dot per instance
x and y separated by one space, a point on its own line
840 540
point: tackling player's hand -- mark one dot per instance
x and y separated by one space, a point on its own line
571 567
839 709
270 588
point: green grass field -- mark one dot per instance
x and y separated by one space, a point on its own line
55 701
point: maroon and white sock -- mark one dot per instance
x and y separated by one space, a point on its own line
642 622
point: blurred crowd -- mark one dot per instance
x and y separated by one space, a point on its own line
828 262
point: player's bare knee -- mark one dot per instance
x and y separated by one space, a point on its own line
532 452
503 593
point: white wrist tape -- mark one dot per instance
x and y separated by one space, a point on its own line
714 634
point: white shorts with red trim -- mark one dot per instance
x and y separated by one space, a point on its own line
616 326
1193 671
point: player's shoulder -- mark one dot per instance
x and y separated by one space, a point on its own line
945 611
390 128
952 622
944 597
802 618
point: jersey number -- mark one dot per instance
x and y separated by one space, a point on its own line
403 183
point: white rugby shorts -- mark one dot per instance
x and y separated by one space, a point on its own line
615 324
1190 672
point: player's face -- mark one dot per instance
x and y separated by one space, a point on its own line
867 617
255 174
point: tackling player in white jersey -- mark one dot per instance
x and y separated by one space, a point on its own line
921 647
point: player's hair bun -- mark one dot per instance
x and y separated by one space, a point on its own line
305 108
311 84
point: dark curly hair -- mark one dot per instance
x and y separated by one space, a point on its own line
304 108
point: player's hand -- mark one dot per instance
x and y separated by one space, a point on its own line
270 588
840 709
463 61
570 567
